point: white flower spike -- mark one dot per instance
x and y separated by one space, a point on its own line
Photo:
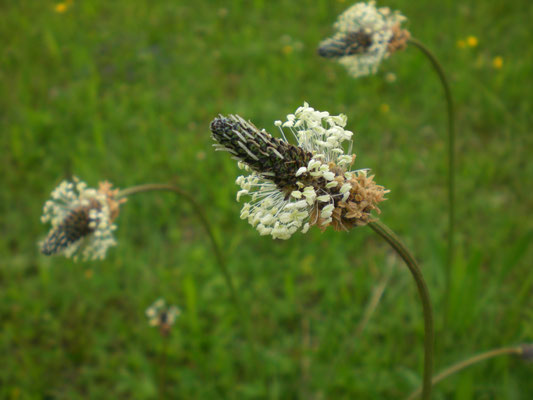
82 220
162 316
365 35
293 187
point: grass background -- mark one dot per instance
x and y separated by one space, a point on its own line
125 90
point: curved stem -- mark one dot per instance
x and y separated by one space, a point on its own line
451 160
391 238
150 187
468 362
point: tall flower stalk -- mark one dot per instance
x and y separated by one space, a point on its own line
366 35
451 163
429 338
294 187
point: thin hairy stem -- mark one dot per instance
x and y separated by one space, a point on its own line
467 363
451 163
391 238
204 221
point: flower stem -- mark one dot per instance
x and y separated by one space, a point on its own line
518 350
162 368
451 163
150 187
391 238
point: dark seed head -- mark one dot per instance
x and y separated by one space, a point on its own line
74 227
276 159
349 44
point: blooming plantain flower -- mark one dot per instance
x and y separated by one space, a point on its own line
293 187
365 35
161 315
82 220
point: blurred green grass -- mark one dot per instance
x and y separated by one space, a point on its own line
125 91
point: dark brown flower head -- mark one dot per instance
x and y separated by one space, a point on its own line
273 158
345 45
74 227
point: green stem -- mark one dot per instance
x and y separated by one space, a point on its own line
468 362
203 219
163 369
451 161
391 238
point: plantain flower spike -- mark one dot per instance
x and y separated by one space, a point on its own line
82 220
162 316
293 187
365 35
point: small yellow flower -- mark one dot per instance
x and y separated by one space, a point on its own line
384 108
307 264
15 393
497 62
472 41
89 273
461 44
223 12
60 8
390 77
287 49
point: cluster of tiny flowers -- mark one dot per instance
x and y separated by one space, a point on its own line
161 315
81 219
274 213
318 188
365 35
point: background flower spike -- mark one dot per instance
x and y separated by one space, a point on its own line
364 36
82 220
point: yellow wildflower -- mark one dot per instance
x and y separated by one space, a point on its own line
287 49
390 77
384 108
497 62
472 41
15 393
60 8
